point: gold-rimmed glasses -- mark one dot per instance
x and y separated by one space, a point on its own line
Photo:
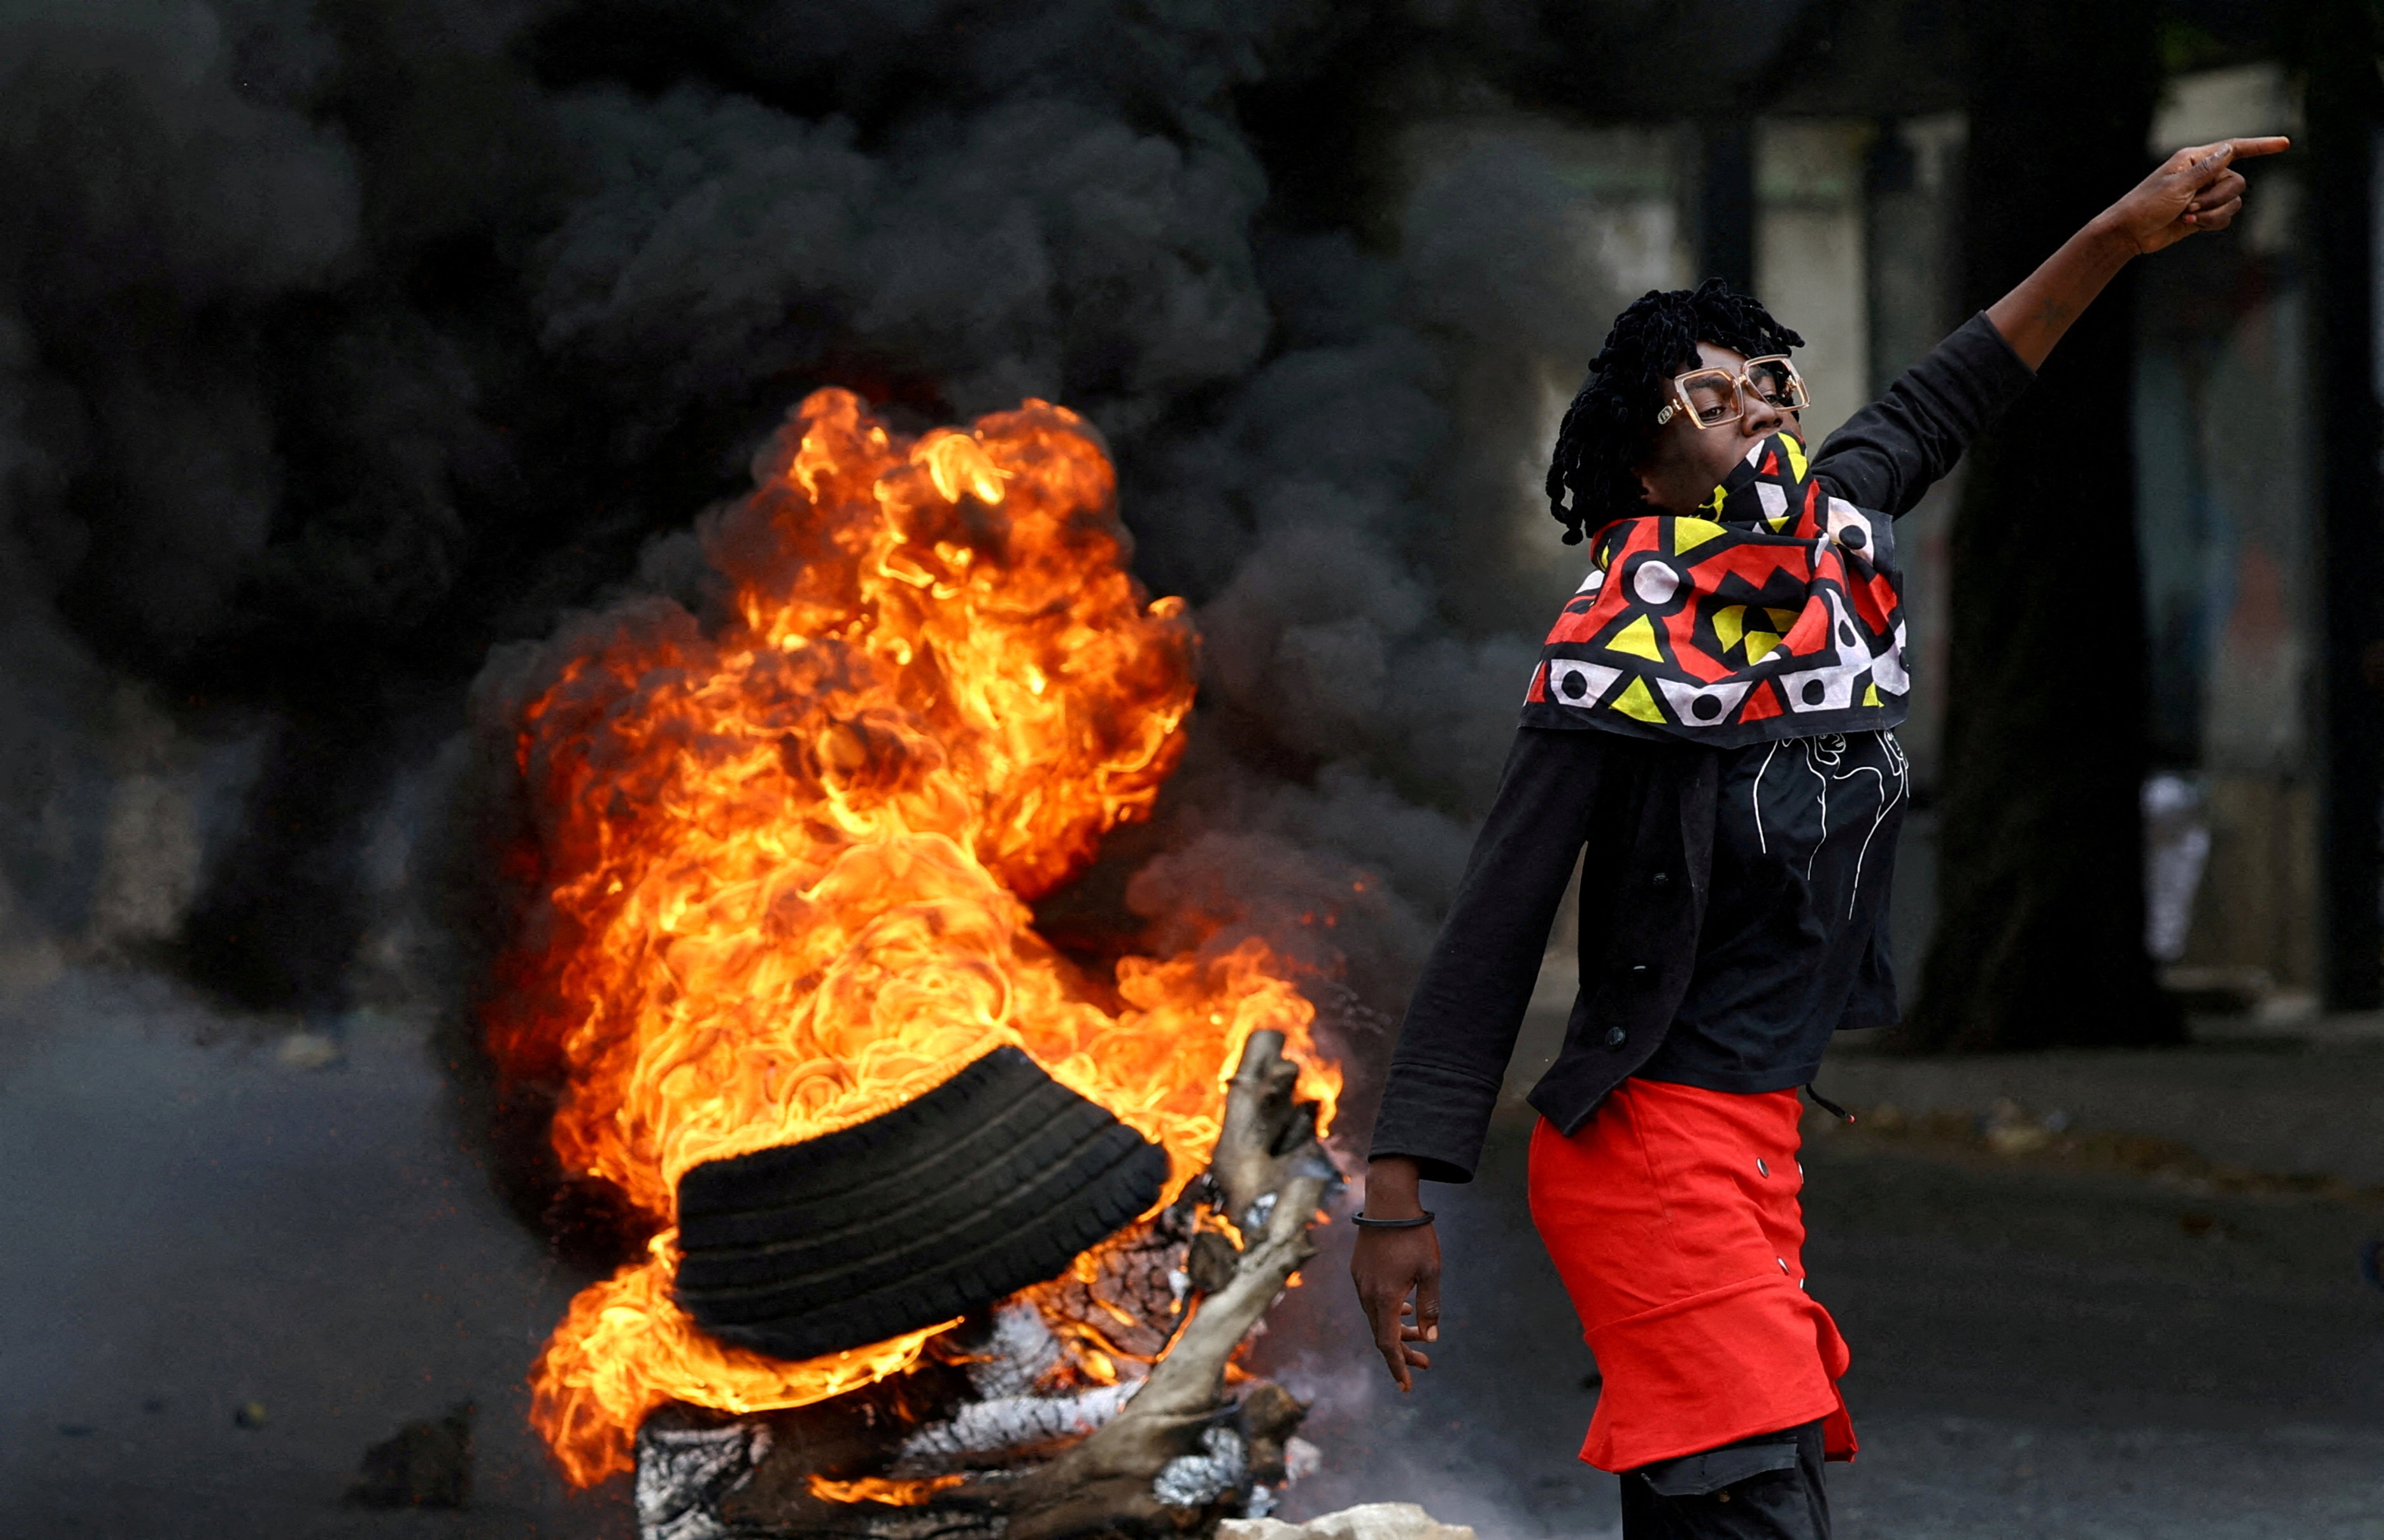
1713 397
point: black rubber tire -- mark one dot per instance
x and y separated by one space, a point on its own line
994 1180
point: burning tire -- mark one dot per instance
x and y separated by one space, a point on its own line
994 1180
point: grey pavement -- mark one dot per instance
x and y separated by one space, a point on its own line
2307 1098
2038 1350
192 1229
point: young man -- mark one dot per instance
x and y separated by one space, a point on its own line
1712 719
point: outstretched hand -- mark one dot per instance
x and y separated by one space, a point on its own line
2196 189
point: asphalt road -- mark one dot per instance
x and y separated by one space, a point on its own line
2038 1351
193 1229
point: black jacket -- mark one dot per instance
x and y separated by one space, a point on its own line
1652 804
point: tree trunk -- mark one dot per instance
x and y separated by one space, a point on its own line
2040 914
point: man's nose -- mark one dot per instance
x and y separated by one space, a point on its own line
1760 418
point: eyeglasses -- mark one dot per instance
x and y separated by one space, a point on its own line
1713 397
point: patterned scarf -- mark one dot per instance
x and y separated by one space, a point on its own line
1776 613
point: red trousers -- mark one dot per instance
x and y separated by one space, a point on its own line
1672 1218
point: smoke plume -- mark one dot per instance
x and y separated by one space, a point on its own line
345 341
362 360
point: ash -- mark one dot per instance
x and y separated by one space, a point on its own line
1196 1481
683 1474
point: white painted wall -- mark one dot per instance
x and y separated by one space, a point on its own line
1809 267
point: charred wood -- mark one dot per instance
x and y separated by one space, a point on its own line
1008 1441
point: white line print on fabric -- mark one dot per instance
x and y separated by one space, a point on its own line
1831 750
1828 750
1823 755
1901 769
1756 798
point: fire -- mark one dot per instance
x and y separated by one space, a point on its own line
875 1489
785 860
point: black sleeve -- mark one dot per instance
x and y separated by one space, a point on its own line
1468 1003
1890 453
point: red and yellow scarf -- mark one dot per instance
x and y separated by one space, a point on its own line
1775 612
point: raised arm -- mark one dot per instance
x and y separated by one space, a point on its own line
1891 452
2194 190
1885 457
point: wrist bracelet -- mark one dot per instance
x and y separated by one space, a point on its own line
1365 1224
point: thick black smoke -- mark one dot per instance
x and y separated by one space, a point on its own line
341 342
361 358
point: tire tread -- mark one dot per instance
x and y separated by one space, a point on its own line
995 1180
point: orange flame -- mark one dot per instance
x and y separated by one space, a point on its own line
786 861
879 1489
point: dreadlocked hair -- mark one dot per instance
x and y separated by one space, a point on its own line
1610 425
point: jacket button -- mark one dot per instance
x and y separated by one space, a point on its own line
1662 879
1614 1036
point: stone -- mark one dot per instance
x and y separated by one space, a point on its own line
1366 1521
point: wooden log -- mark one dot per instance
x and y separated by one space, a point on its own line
1272 1175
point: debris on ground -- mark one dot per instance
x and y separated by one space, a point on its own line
248 1414
305 1050
1366 1521
425 1465
2011 1132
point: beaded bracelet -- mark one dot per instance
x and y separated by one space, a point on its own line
1365 1224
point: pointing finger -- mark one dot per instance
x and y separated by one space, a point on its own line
2200 162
